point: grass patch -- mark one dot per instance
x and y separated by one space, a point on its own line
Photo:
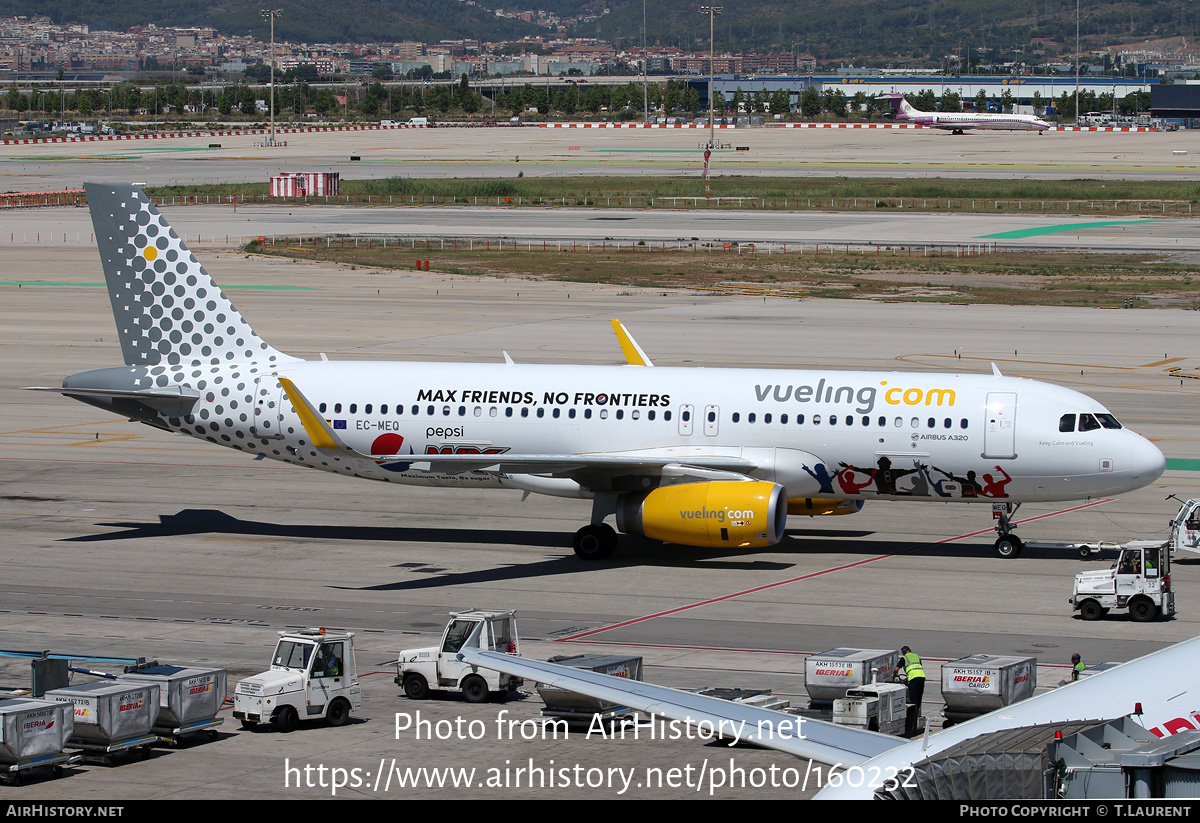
1046 279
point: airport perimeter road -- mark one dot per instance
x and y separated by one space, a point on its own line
224 226
122 540
507 152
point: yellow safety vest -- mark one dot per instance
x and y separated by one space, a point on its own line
912 665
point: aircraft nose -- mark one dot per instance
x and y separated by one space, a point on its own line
1146 461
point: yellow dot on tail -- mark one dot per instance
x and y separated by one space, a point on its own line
150 252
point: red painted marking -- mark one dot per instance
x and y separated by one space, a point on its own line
823 572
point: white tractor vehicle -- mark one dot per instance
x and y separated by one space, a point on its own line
312 677
422 671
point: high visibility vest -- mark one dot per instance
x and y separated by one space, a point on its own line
912 665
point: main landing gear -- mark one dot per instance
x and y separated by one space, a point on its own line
1008 545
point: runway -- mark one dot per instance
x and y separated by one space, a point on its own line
508 152
124 540
226 226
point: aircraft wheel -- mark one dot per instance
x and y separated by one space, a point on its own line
339 713
1009 546
1090 610
286 719
416 687
1143 610
595 542
474 689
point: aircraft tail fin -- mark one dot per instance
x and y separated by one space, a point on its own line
168 310
901 108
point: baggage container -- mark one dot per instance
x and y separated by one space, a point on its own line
567 704
188 695
32 729
829 674
109 712
983 682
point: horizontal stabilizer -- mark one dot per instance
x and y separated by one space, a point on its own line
816 739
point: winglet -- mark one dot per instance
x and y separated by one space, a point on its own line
634 355
319 431
996 371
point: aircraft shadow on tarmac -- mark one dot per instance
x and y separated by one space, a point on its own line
634 552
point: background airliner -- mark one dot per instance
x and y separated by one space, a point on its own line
958 122
699 457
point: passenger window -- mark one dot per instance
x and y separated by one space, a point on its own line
735 417
635 414
666 415
337 408
524 412
462 411
492 411
479 411
571 413
557 412
816 419
508 411
541 413
713 416
799 420
750 417
650 415
587 414
367 409
783 419
353 408
445 411
833 419
321 408
766 418
620 414
383 409
1066 423
428 411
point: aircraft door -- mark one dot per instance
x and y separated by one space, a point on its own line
712 418
686 412
1000 426
268 407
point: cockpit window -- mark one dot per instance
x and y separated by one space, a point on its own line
1088 423
1066 423
1109 422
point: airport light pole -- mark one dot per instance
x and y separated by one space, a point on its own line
712 12
271 14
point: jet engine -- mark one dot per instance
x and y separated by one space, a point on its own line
819 506
719 513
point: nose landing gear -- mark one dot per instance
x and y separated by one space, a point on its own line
1008 545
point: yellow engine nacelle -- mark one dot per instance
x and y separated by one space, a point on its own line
823 506
721 513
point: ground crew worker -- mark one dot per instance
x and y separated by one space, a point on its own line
914 674
1077 668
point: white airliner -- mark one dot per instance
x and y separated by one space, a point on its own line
1161 691
959 122
699 457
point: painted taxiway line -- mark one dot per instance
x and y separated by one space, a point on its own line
811 575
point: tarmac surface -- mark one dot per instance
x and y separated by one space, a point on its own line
531 151
121 540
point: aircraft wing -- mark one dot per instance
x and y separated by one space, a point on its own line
815 739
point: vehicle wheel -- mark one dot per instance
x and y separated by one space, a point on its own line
338 714
1009 546
1085 553
1143 610
1090 610
249 724
286 719
415 687
595 542
474 689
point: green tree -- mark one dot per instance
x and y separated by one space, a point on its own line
810 102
